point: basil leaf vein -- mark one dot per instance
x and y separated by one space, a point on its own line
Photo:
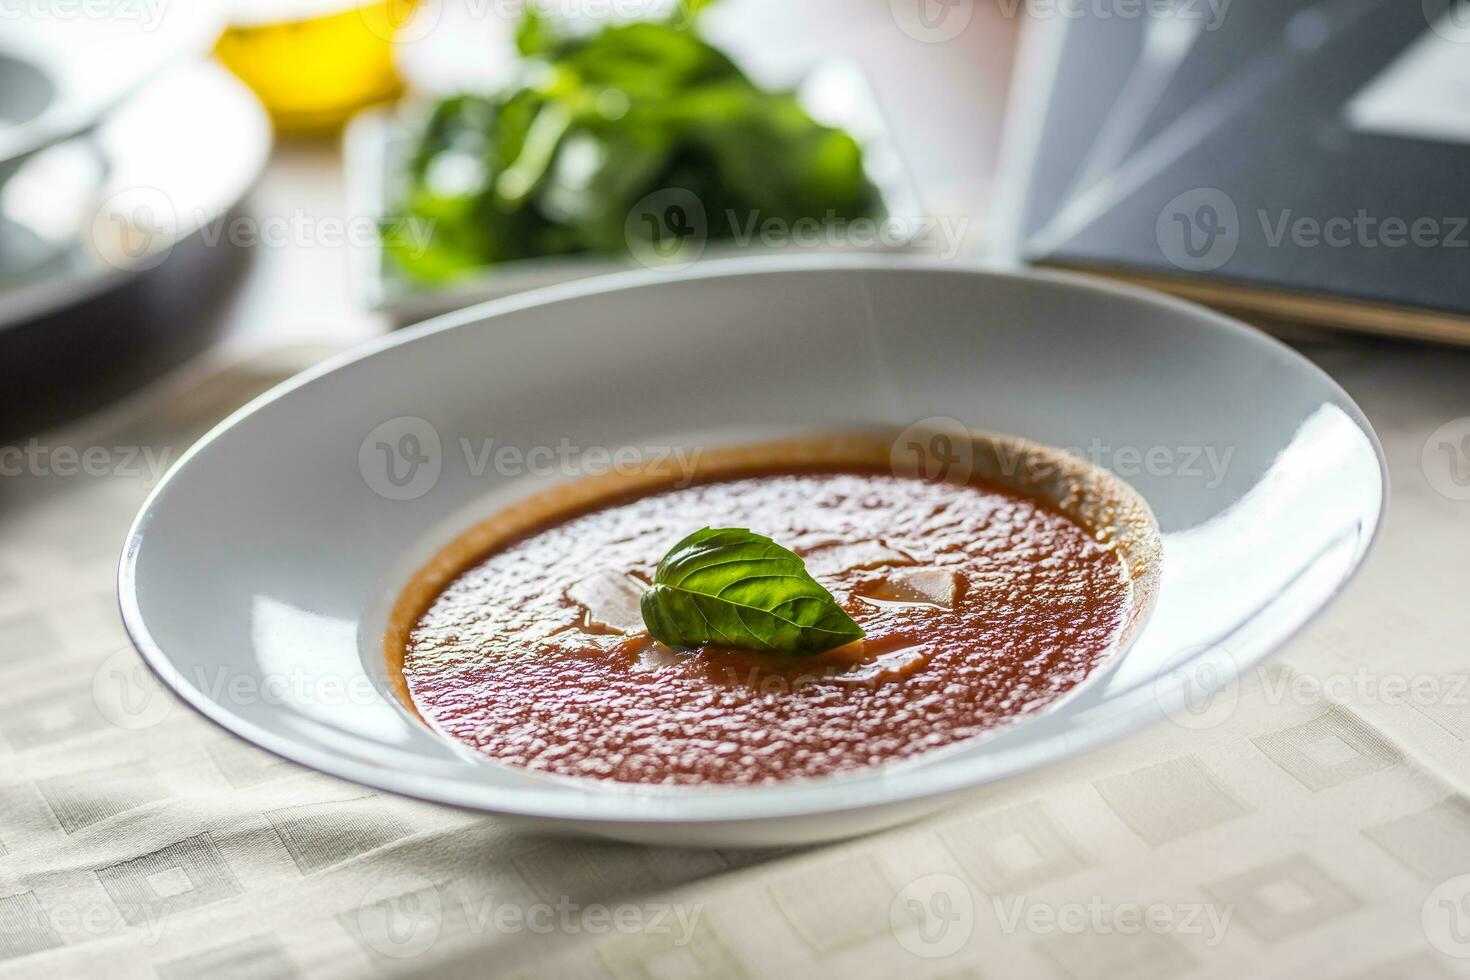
732 587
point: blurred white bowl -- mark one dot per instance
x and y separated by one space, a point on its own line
61 74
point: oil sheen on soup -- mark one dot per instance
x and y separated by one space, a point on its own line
979 605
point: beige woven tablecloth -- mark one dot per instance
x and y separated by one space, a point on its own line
1316 830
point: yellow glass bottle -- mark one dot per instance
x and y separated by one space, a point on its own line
313 63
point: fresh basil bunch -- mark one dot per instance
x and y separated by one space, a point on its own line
555 164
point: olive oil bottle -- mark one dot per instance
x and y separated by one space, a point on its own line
313 63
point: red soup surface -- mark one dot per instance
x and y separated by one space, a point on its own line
979 605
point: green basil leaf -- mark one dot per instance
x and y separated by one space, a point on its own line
732 588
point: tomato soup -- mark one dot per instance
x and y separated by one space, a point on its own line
980 603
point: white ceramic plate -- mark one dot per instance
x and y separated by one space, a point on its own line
257 578
176 156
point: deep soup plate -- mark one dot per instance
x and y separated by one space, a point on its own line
258 577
